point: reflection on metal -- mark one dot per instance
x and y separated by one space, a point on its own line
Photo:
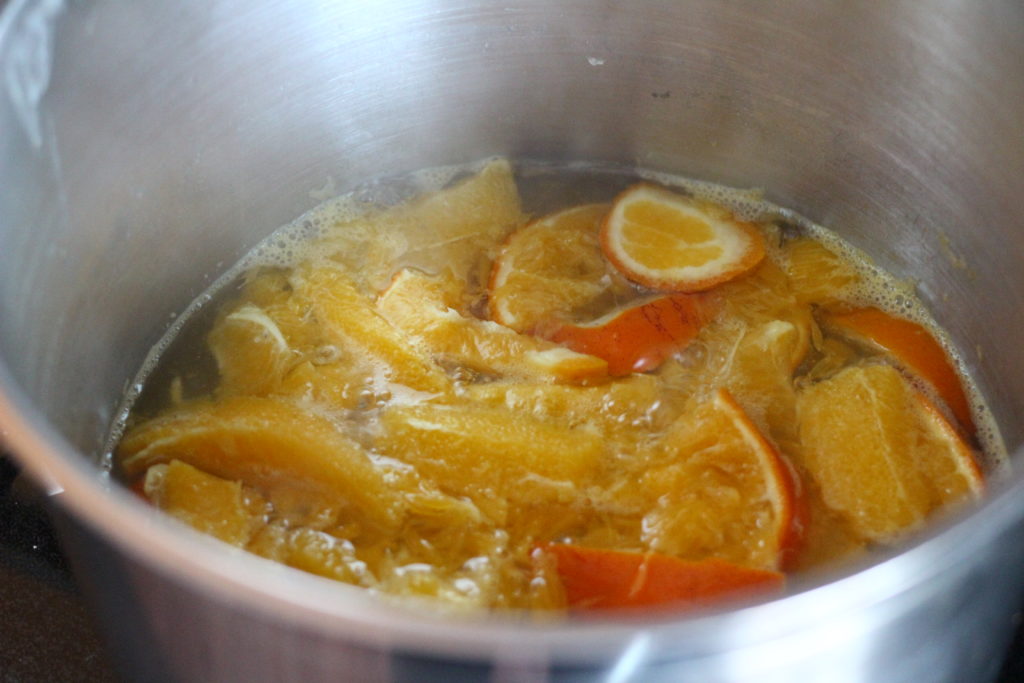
28 59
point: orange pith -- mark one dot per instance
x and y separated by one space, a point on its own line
913 346
669 242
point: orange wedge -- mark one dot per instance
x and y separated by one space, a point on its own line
601 579
548 268
640 337
673 243
882 455
913 347
725 491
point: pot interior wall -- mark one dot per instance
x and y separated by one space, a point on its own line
164 140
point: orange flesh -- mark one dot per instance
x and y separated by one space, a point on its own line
404 425
913 346
652 225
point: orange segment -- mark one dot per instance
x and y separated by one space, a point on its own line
912 346
816 273
601 579
725 491
251 352
348 318
640 337
210 504
881 455
549 268
625 404
669 242
265 442
419 306
460 226
470 451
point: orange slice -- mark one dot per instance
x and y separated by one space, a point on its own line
265 442
673 243
548 268
725 492
882 455
601 579
640 337
913 347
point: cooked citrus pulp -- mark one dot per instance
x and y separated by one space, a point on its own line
641 396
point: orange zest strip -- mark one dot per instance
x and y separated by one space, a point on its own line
607 579
641 337
915 348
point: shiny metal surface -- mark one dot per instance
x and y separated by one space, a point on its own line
144 146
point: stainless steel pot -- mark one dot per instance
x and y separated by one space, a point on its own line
146 145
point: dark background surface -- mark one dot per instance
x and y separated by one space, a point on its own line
46 632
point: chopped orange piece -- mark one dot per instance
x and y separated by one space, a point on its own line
418 305
816 273
640 337
881 454
913 347
265 442
471 450
950 475
673 243
725 491
460 226
251 352
207 503
628 404
348 318
601 579
548 268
